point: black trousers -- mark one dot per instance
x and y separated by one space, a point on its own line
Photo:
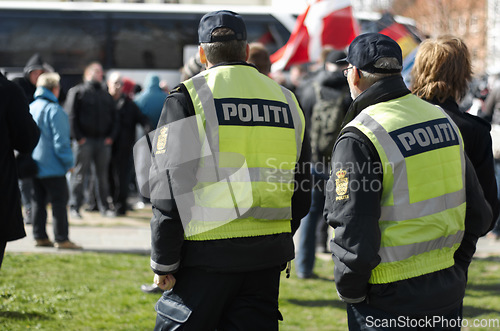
53 190
120 173
203 300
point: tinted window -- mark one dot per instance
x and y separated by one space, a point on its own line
66 40
145 41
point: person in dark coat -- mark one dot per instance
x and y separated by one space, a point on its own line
225 266
403 198
121 152
325 98
18 132
441 75
32 70
94 126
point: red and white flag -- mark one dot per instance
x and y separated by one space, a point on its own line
324 23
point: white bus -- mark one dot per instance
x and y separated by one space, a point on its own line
133 38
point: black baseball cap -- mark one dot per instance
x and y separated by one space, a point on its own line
336 56
221 19
367 48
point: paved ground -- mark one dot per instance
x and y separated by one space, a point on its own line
131 234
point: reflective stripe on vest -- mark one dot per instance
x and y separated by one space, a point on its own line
229 182
212 125
403 209
411 245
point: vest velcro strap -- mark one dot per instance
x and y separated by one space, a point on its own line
239 228
415 266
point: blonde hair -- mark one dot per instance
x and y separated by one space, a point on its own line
442 69
49 80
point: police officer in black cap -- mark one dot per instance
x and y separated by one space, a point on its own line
222 187
397 197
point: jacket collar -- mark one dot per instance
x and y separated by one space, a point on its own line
449 104
233 63
44 93
386 89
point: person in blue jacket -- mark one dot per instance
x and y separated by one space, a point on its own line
54 158
151 99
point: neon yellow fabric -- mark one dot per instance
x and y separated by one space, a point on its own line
429 236
244 205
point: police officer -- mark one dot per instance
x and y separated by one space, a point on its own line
397 198
229 184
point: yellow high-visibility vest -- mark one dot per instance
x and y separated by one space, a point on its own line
251 131
423 195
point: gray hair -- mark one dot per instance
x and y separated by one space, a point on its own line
389 63
49 80
225 51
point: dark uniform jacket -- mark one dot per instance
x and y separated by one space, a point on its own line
91 112
18 132
357 235
226 255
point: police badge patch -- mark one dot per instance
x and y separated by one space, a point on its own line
341 185
161 144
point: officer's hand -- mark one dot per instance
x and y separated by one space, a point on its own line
165 282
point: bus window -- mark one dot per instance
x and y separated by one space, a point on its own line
132 38
66 40
145 41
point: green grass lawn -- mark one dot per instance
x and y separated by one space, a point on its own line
95 291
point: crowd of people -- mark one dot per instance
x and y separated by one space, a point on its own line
83 158
405 179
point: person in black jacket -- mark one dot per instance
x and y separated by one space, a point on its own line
121 154
441 75
325 101
32 70
94 126
402 198
223 217
19 132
